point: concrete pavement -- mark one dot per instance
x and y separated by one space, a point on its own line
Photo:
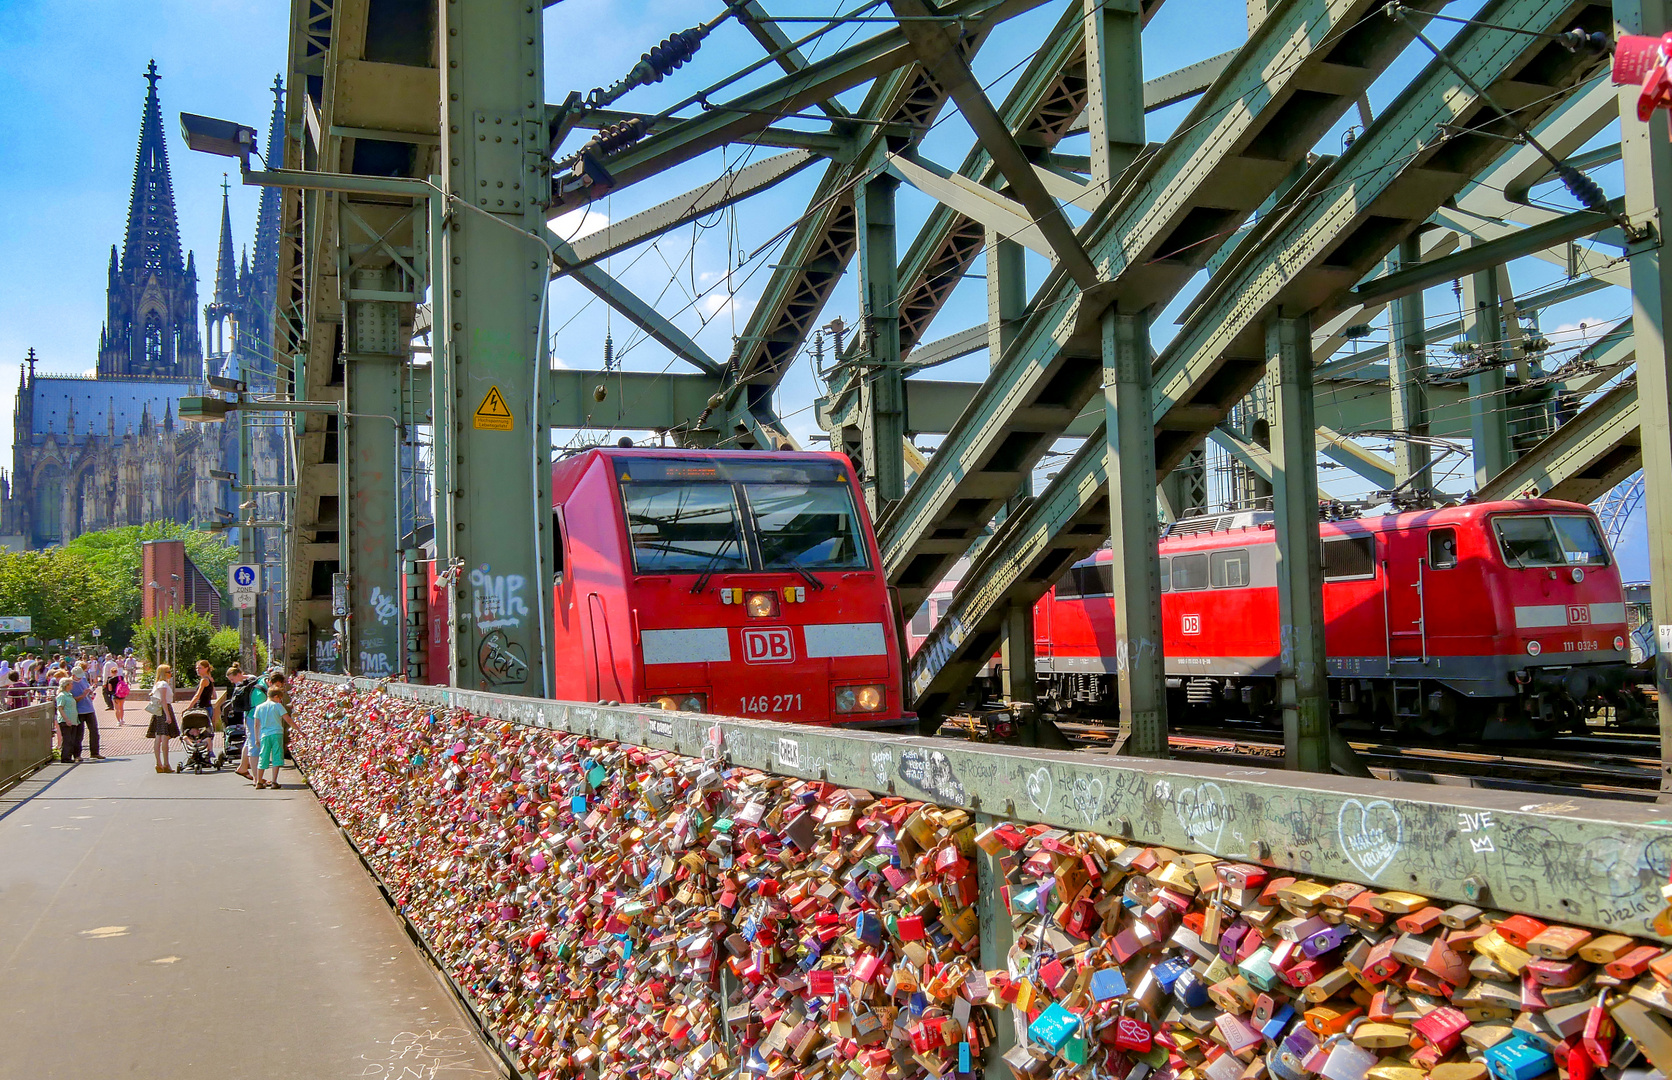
187 926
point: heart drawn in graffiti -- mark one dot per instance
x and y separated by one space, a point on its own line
1202 812
1086 797
1370 834
1039 789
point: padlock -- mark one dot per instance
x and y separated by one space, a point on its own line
1107 984
1518 1058
1442 1028
1132 1033
1345 1060
1597 1038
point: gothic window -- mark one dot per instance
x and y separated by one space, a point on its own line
153 343
49 506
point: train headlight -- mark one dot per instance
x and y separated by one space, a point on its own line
682 702
761 605
1534 648
1577 574
1619 643
869 698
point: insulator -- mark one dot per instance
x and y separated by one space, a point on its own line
1582 187
609 353
674 50
1577 40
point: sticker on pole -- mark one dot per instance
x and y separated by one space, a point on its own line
492 414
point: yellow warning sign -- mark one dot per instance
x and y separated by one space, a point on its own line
492 414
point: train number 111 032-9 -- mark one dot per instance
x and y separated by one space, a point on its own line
771 703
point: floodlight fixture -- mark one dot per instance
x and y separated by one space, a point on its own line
222 474
204 410
220 137
226 385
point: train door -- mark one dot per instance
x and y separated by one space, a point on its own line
1405 564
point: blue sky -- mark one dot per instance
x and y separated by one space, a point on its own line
73 88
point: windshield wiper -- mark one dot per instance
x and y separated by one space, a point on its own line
708 571
806 575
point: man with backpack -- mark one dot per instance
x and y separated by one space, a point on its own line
243 694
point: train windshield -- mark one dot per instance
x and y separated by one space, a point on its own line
1550 540
684 528
811 526
698 516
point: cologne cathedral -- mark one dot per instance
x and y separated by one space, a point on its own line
106 450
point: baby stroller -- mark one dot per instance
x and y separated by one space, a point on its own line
232 745
197 737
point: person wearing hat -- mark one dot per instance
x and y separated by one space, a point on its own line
83 692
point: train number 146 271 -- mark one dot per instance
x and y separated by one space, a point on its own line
771 703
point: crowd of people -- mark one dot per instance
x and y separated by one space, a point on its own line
256 704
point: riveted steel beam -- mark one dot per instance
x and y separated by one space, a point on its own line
1244 137
1593 862
1583 458
1382 188
717 194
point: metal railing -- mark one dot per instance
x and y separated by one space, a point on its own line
25 742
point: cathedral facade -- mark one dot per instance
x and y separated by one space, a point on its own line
100 451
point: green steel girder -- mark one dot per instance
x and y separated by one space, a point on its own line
1241 141
717 194
734 120
642 315
1386 184
1045 98
1583 458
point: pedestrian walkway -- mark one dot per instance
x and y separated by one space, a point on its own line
188 926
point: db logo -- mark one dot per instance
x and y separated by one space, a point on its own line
1578 614
770 646
1192 624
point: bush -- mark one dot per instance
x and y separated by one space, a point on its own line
190 633
223 653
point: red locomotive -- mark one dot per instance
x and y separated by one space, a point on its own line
1485 620
739 583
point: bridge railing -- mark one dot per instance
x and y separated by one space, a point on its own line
25 742
1004 866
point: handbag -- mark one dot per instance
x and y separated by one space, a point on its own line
154 707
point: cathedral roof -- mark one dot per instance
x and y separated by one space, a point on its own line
94 401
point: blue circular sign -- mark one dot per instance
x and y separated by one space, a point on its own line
244 576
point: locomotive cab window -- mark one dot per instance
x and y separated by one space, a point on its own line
1098 579
1348 558
1550 540
1442 549
1190 572
1166 575
1230 569
557 548
684 528
806 526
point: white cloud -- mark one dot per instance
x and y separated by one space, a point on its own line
578 223
716 303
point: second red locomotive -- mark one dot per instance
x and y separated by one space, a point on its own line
1483 620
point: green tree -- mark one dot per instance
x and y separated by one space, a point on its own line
223 652
63 592
116 554
182 635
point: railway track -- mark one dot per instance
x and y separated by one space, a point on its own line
1607 766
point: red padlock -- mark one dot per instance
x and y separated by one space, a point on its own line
1641 61
1132 1033
1597 1040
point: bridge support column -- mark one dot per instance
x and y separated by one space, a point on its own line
497 505
369 471
883 388
1115 87
1408 383
1647 158
1302 677
1007 303
1488 404
1140 672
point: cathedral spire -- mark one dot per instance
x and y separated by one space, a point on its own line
226 269
153 239
266 264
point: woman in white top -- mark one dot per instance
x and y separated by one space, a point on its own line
161 707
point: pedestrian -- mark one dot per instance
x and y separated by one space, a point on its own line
163 725
258 694
107 680
242 695
83 691
69 724
17 695
271 719
119 692
203 698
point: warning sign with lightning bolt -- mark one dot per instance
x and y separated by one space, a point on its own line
492 414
